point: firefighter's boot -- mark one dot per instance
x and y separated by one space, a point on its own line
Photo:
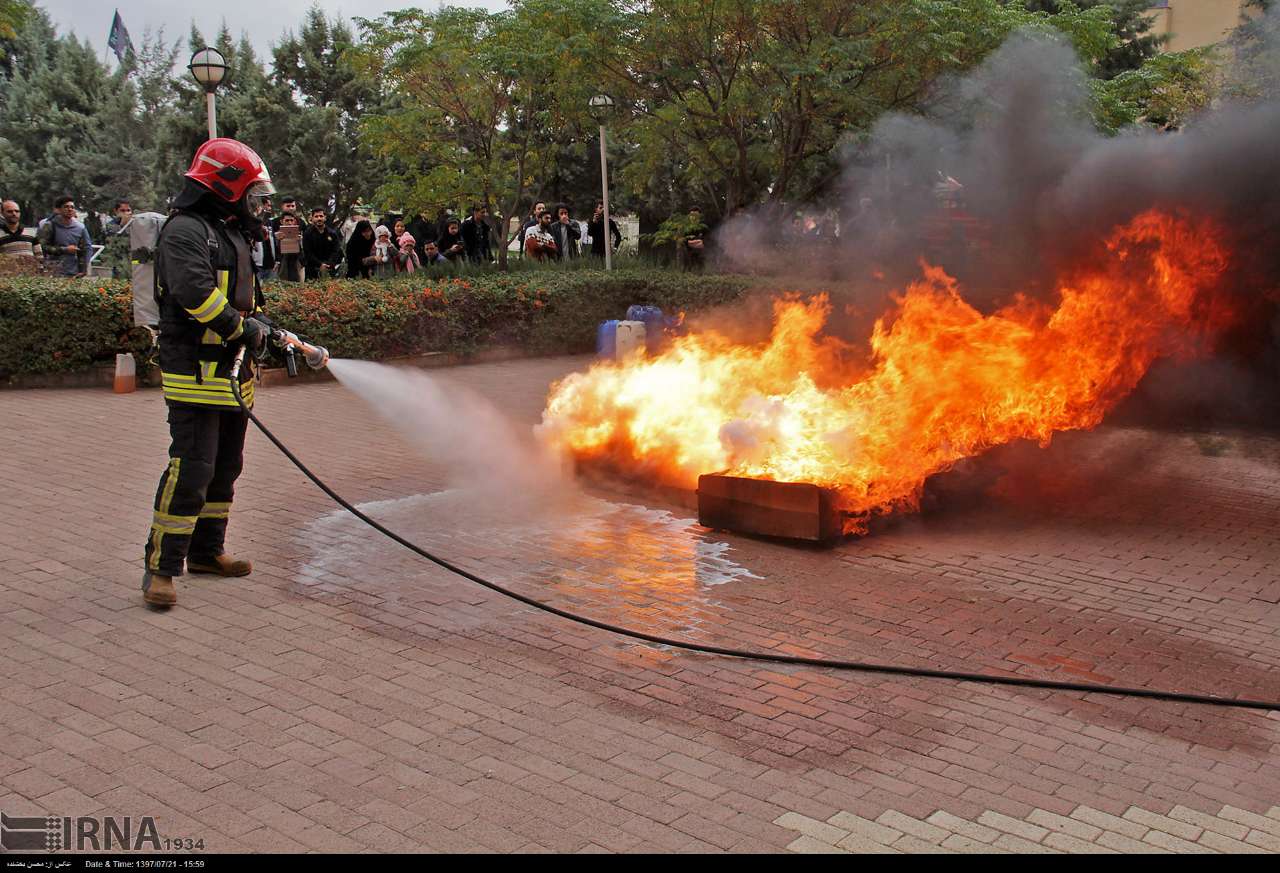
158 591
220 565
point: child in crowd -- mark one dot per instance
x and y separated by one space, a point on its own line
384 253
406 260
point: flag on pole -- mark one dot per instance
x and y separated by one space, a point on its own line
118 40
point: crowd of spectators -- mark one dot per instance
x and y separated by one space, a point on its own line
297 244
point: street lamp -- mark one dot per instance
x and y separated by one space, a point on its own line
208 67
600 107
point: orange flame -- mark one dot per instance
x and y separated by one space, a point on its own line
944 382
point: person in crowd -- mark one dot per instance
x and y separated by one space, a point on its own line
566 232
531 223
595 229
288 238
406 257
431 254
475 236
288 206
694 242
361 259
398 229
15 242
348 227
116 255
65 240
442 223
384 252
450 243
422 229
265 253
539 243
321 247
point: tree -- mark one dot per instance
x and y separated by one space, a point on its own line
67 124
483 106
744 102
13 14
1255 72
325 156
1131 24
1164 92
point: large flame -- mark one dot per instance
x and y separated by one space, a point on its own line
943 381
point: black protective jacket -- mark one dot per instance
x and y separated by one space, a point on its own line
205 286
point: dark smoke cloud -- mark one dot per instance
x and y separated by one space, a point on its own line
1017 135
1041 187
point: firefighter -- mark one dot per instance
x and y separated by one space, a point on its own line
210 305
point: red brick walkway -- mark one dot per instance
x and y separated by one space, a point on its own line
348 695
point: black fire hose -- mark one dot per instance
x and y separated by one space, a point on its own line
859 666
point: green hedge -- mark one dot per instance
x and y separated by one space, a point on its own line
52 325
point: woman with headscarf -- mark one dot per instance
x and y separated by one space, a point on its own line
450 243
360 258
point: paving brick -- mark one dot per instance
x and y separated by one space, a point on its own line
1212 823
1252 820
914 827
1025 830
1062 824
1163 823
811 827
1219 843
1010 843
911 845
1175 844
865 828
1263 840
1128 845
971 830
807 845
1125 827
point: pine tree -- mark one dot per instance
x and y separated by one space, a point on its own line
68 125
324 156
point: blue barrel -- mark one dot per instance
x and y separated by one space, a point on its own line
654 324
607 339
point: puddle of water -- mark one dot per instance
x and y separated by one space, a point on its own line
584 541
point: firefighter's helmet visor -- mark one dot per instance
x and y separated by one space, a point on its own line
257 193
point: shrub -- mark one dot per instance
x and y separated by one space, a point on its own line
49 325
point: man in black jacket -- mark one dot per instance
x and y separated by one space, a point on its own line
595 228
475 236
566 233
423 231
321 247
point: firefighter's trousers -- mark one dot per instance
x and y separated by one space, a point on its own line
193 501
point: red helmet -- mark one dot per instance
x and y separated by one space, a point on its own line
230 169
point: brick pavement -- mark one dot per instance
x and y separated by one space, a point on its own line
349 696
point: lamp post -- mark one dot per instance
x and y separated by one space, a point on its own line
600 107
208 67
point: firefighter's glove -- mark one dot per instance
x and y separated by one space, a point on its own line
255 336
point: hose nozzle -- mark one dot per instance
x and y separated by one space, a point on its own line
317 357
